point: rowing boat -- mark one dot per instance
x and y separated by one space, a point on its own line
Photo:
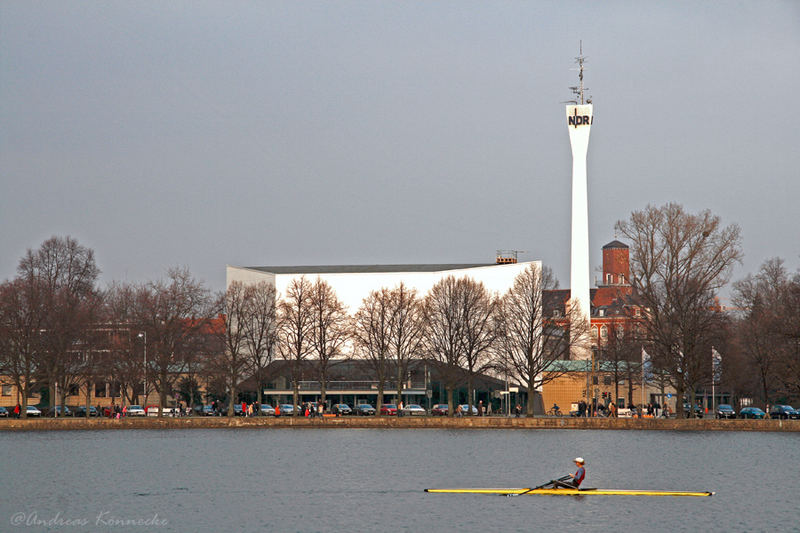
573 492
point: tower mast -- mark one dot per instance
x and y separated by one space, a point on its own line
579 122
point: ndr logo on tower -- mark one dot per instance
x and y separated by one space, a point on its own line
579 120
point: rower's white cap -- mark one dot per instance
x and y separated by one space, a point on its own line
579 460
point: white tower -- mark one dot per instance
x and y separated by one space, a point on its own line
579 122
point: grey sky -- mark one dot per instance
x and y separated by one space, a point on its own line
206 133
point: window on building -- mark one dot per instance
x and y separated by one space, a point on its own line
609 279
100 390
74 390
7 389
621 403
556 313
606 380
594 333
603 332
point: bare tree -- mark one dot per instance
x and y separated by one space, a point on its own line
679 262
621 356
21 324
531 344
66 273
295 325
406 333
372 334
789 326
260 331
126 344
444 338
233 361
168 311
478 332
330 330
759 297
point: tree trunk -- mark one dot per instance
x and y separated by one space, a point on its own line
162 396
295 397
450 404
231 400
470 396
88 396
531 393
380 399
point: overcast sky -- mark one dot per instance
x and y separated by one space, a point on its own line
294 133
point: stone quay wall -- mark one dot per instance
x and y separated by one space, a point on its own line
489 422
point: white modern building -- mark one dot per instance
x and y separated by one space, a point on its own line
353 283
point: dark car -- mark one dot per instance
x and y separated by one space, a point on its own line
341 409
364 409
81 411
784 411
752 412
698 411
3 412
56 411
725 411
440 409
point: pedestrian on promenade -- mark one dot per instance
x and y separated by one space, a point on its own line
480 407
17 410
458 411
517 410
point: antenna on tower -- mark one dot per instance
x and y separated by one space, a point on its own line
579 89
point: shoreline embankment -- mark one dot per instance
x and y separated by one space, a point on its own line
490 422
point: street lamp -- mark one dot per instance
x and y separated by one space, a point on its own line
143 335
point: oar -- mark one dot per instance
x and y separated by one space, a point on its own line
543 485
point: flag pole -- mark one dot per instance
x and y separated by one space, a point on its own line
643 382
713 385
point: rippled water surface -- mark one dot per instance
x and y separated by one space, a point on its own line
373 480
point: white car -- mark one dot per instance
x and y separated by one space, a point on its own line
414 410
33 411
136 410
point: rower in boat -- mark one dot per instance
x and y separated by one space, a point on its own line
576 478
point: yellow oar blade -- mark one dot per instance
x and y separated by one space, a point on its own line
575 492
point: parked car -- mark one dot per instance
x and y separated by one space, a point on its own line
3 412
341 409
752 412
725 411
207 410
33 411
135 410
81 411
267 410
440 409
698 411
364 409
152 410
784 411
56 411
287 409
414 410
389 409
466 410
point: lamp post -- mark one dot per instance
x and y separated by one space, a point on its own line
143 335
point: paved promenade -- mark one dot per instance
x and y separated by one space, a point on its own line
490 422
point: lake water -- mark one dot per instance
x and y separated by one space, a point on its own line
373 480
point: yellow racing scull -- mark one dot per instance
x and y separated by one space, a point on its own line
573 492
